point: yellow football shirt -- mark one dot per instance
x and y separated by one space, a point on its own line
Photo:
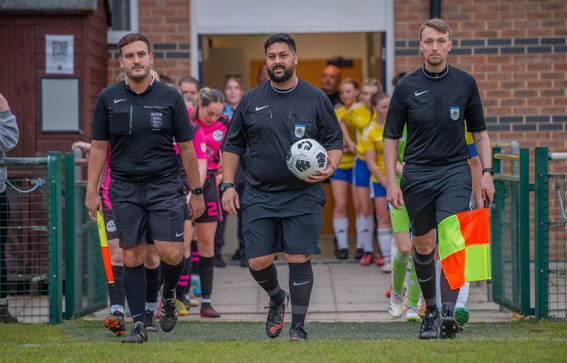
372 140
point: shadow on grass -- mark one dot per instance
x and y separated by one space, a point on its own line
219 330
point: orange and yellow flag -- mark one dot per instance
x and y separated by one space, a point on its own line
104 248
464 247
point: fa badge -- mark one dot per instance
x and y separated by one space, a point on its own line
299 131
455 113
217 135
156 120
110 226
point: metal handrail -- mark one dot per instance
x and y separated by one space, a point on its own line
506 157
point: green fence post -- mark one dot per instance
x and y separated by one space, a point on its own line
525 275
69 235
496 164
541 219
55 236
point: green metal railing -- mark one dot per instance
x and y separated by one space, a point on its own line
550 238
510 231
85 287
34 239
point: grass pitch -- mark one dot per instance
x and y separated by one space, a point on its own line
87 341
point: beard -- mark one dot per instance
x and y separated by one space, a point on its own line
288 73
435 62
137 78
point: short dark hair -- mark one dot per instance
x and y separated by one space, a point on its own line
280 38
130 38
189 79
438 24
398 78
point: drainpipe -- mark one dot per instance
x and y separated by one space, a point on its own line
435 9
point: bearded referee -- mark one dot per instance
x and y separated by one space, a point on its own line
280 212
434 102
140 117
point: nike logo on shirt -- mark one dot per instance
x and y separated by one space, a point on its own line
420 93
259 108
301 283
116 101
420 280
178 234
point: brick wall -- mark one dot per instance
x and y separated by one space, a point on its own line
516 50
166 23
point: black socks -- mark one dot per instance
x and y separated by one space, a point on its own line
206 268
153 280
135 291
425 271
448 297
171 275
116 290
268 280
300 286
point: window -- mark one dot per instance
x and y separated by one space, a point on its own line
124 19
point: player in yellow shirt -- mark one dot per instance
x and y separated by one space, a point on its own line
340 183
360 116
372 144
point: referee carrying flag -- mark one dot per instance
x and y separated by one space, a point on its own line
464 247
104 247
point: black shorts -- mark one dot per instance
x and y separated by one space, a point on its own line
212 202
148 210
111 232
433 193
286 221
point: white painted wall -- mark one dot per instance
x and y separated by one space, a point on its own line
291 16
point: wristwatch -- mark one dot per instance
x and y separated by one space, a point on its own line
197 191
488 170
225 186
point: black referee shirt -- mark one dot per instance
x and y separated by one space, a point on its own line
269 121
141 128
435 108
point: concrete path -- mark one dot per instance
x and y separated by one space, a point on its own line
343 291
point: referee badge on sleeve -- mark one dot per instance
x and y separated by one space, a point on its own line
299 131
455 113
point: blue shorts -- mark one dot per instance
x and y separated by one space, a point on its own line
344 174
361 174
377 190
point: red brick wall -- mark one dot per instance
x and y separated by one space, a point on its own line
516 50
166 23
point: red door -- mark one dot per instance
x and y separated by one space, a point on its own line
17 83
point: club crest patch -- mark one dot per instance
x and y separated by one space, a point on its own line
110 226
155 120
455 113
299 131
217 135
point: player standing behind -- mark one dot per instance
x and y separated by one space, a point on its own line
436 182
342 181
360 116
139 119
207 114
372 143
182 292
281 213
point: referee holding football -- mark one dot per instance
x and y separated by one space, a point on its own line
281 212
140 118
434 102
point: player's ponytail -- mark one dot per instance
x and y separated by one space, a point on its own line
206 96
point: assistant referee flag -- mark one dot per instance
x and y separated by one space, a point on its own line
464 247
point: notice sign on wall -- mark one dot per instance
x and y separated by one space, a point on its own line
59 54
